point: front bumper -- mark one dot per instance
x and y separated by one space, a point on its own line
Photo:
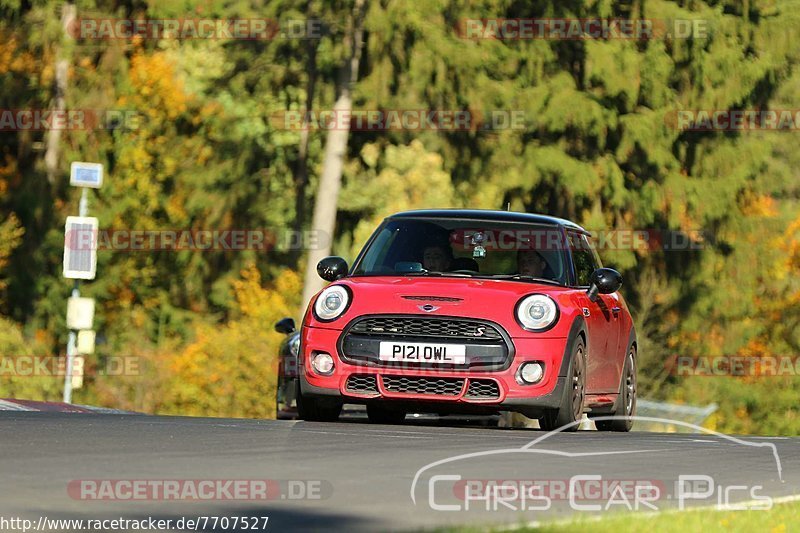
455 396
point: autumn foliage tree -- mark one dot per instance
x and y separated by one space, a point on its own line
598 144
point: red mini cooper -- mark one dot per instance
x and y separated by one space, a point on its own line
470 311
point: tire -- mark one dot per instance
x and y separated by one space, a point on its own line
571 409
627 397
286 398
379 414
316 410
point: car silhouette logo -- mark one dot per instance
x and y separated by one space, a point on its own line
428 308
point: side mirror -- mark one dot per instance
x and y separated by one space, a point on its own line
604 281
332 268
285 326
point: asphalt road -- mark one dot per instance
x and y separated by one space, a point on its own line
356 476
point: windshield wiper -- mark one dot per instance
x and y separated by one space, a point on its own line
524 277
433 273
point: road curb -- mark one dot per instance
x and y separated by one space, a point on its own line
11 404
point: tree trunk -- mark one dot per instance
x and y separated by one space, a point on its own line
301 170
324 219
68 14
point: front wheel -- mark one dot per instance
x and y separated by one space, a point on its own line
626 407
571 409
315 409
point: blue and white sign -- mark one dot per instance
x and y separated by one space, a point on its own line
86 174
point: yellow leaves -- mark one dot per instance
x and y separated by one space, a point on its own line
204 155
207 112
791 245
123 296
176 207
161 92
230 369
256 301
755 347
8 169
14 58
289 282
688 224
758 205
9 46
11 232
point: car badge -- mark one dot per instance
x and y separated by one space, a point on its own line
585 311
428 308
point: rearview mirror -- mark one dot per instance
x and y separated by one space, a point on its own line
285 326
604 281
332 268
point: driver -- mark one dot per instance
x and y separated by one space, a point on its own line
437 258
531 263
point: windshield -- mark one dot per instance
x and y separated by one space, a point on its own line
448 247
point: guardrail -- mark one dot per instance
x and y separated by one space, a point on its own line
691 414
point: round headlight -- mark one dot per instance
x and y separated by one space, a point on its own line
537 312
331 303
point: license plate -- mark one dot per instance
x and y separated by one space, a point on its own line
423 352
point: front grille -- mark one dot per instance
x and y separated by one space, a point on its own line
442 328
482 389
361 384
423 385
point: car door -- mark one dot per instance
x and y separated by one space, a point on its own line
602 319
615 349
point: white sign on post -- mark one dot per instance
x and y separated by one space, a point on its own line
86 342
86 174
80 313
77 372
80 248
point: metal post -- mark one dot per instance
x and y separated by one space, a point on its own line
83 207
71 353
73 336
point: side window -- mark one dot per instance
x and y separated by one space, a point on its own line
583 257
590 244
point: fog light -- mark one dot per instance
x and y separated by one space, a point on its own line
530 373
322 363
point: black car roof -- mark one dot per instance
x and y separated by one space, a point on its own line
489 214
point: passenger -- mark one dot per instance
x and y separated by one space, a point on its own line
531 263
437 258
